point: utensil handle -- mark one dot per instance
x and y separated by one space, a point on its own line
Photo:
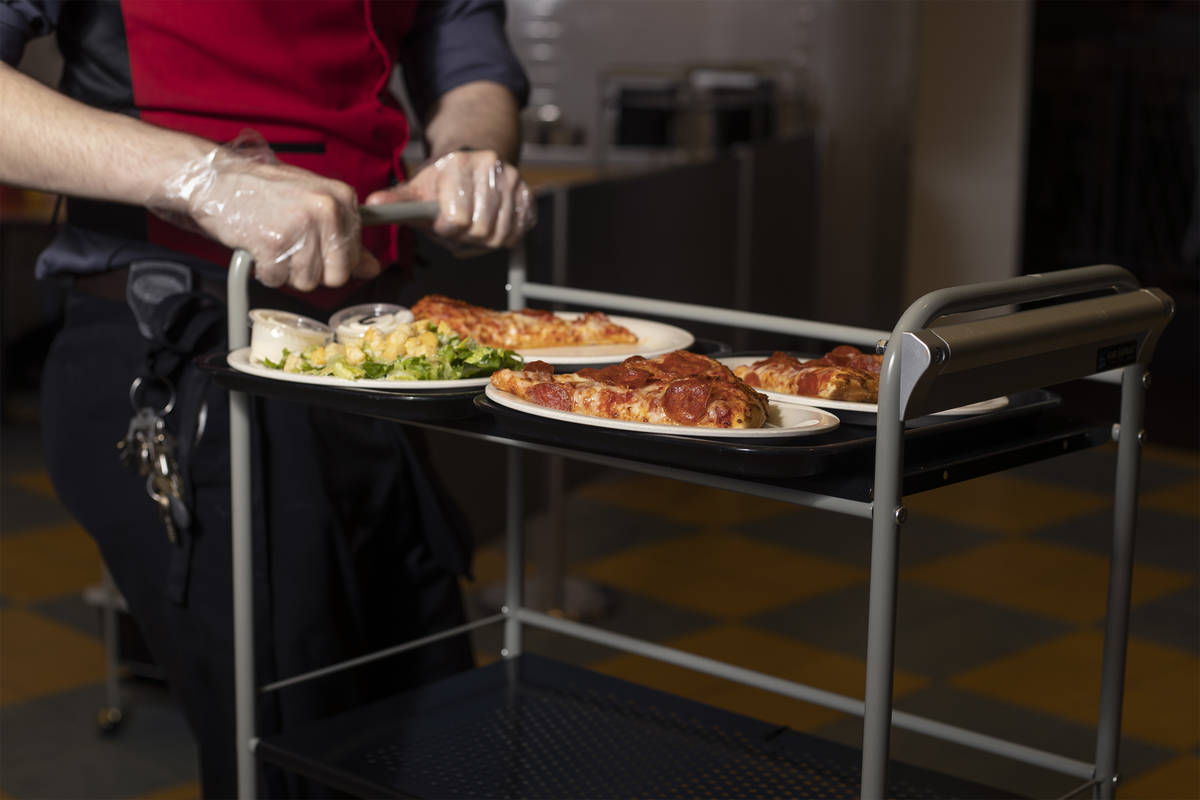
388 213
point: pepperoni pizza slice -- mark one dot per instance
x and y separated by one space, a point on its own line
521 330
843 374
679 388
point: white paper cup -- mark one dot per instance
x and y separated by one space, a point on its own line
273 331
350 324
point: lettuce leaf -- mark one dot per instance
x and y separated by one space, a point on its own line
266 362
456 358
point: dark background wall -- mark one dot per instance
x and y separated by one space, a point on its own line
1113 168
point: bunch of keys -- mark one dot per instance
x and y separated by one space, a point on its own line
150 448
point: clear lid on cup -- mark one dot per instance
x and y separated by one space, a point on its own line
350 324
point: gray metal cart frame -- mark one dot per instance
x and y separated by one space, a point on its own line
926 368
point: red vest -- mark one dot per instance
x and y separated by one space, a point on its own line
309 75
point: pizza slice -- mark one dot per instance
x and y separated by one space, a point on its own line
528 328
679 388
846 355
824 377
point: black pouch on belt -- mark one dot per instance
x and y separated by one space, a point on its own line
180 323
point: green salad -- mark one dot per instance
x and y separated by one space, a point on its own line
416 351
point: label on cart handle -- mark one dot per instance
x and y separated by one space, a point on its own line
1116 355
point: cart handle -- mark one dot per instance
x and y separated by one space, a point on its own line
1022 289
1038 347
242 263
389 213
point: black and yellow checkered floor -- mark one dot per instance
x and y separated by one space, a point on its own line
1001 611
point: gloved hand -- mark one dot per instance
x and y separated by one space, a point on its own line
484 202
302 229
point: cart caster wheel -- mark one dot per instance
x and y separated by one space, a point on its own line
108 720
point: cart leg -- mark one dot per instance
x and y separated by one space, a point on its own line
886 516
243 591
242 539
108 719
881 636
1120 577
514 574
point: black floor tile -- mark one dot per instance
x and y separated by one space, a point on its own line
1095 470
52 748
1160 538
22 511
848 539
20 448
937 634
72 611
1023 726
1173 620
595 530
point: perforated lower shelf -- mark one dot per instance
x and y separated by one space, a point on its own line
536 728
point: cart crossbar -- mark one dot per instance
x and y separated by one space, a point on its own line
801 691
863 337
412 644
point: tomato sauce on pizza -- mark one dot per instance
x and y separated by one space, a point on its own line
845 373
678 388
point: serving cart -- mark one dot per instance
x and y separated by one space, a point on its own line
526 726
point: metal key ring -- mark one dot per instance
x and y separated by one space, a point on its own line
137 385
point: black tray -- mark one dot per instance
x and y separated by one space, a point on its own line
838 463
436 405
537 728
844 448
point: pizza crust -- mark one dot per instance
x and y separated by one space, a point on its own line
526 329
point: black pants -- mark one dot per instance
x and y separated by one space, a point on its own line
347 525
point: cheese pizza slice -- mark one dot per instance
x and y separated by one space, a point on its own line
824 377
679 388
521 330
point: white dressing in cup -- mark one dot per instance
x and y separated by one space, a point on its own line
273 331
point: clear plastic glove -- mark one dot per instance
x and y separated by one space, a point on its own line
484 202
302 229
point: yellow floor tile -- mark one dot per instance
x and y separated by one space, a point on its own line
42 657
1180 498
722 575
1174 456
47 562
1005 504
1047 579
181 791
35 481
762 651
683 502
1062 677
1178 779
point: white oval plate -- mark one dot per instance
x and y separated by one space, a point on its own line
981 407
782 420
240 360
654 339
